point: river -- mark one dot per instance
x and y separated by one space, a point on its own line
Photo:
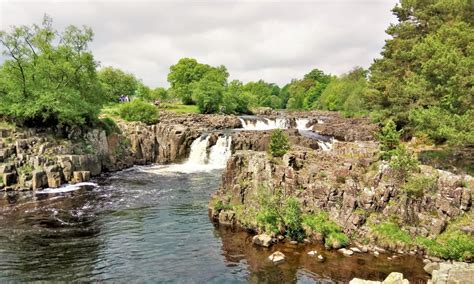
151 224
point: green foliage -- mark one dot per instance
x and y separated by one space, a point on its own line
208 92
389 139
183 74
279 143
452 244
138 110
49 78
305 92
417 185
403 163
109 125
426 70
219 206
179 108
235 99
277 212
116 83
345 93
263 94
330 231
390 232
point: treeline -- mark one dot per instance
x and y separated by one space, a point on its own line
423 80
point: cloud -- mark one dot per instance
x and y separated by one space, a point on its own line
274 41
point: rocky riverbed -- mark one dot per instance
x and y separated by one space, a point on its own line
332 168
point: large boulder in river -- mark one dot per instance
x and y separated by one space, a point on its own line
263 240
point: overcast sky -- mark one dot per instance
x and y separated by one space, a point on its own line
271 40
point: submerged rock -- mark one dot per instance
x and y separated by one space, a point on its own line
346 252
312 253
277 257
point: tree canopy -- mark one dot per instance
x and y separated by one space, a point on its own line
49 77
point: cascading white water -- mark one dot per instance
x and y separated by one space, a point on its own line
302 124
257 123
198 154
220 152
201 158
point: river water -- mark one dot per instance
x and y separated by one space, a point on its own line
151 224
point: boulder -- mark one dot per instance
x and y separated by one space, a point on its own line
346 252
39 179
263 240
277 257
395 278
429 267
54 176
81 176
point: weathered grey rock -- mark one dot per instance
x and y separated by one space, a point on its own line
39 179
277 257
227 217
429 267
395 278
456 272
263 240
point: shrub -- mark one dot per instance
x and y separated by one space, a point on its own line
279 143
138 110
109 125
389 139
292 219
331 231
402 162
417 185
219 206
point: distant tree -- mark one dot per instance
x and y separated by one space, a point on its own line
49 78
235 99
183 74
263 94
116 83
160 93
208 92
303 93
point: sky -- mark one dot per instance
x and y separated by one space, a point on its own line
271 40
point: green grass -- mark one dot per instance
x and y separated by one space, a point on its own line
331 231
6 125
179 108
418 185
390 232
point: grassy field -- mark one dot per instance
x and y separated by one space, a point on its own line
179 108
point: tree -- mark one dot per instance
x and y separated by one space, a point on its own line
116 83
183 74
208 92
345 93
50 78
427 63
235 99
279 143
263 94
303 93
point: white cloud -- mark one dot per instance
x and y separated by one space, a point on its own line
274 41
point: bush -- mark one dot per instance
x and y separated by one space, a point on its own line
389 139
402 162
331 232
279 143
417 185
109 126
292 219
138 110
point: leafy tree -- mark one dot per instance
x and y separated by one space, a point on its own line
426 64
183 74
116 83
49 77
279 143
345 93
160 93
304 93
235 99
208 92
263 94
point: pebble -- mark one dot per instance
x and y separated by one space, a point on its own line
354 249
376 253
312 253
293 242
320 258
346 252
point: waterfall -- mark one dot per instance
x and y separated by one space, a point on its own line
302 124
198 154
220 152
262 123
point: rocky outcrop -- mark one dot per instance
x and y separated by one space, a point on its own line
351 184
33 159
392 278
